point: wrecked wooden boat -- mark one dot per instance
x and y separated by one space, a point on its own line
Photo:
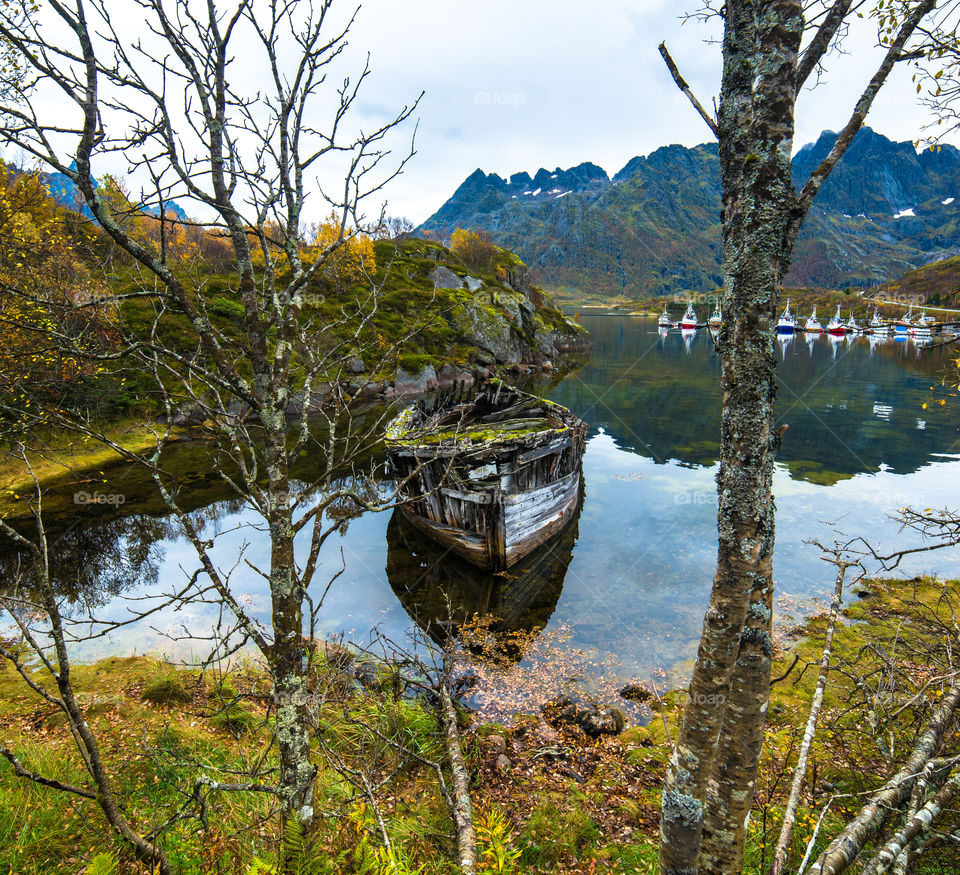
491 476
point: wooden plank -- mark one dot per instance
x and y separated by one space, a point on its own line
474 497
551 492
546 450
519 549
470 545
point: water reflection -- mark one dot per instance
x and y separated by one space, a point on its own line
439 591
635 575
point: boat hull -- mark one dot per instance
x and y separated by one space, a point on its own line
516 523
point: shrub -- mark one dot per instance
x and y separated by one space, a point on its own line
474 248
167 690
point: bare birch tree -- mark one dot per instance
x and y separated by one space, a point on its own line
173 105
770 51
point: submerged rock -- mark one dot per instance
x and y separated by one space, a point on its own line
594 720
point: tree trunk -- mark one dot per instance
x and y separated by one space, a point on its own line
710 779
287 652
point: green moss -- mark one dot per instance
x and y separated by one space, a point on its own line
167 690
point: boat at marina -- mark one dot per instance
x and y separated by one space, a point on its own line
878 327
903 326
689 319
924 327
492 476
715 322
812 325
664 320
835 326
786 323
852 326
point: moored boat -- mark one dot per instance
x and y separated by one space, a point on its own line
905 324
835 326
689 319
924 326
715 322
786 323
812 325
878 326
664 320
492 476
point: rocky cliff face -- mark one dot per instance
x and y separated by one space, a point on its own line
654 227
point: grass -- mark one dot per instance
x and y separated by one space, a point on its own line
592 807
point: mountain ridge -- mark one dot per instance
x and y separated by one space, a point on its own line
653 227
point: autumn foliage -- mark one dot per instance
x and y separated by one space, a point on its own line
474 248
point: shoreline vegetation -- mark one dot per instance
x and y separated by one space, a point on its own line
935 286
461 323
547 797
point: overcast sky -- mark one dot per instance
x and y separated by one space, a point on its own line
526 84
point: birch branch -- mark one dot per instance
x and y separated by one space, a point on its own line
685 88
462 807
789 817
845 848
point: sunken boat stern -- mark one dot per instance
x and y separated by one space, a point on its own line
491 477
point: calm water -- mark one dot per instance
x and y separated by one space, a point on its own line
632 576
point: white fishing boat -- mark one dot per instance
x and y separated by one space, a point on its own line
878 326
905 324
689 319
812 325
786 324
852 326
835 326
715 322
664 320
924 326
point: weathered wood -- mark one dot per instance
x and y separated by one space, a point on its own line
535 473
546 450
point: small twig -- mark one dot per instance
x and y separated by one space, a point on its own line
682 85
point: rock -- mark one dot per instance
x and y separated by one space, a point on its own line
593 720
367 674
407 384
560 711
497 744
484 359
547 365
503 763
354 365
603 721
370 389
450 375
473 283
444 278
636 693
335 654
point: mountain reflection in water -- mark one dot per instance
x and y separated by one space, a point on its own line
634 578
